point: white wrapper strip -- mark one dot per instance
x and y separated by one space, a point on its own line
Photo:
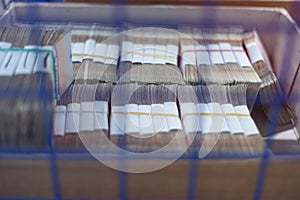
60 120
172 54
100 52
86 116
227 53
191 122
41 63
145 120
254 52
127 47
232 121
149 52
5 45
10 63
246 122
160 54
27 61
101 115
78 48
202 55
112 54
160 123
138 52
173 122
89 48
205 120
188 56
241 56
215 54
219 122
132 120
73 118
117 120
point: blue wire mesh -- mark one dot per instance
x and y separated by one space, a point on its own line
194 163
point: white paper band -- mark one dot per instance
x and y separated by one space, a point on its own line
191 123
159 122
202 55
215 54
117 121
100 51
101 115
86 116
72 118
173 122
227 53
247 122
127 47
254 52
241 56
89 48
232 121
78 48
112 54
60 120
145 120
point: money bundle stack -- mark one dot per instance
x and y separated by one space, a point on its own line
217 57
217 120
149 55
270 88
145 118
94 56
28 78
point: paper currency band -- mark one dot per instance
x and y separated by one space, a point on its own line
214 114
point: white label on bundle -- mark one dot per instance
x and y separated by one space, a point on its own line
173 122
89 48
202 55
100 51
77 51
117 121
3 45
138 53
188 56
254 52
41 64
205 120
149 52
159 122
241 57
232 121
59 120
215 54
219 122
112 54
10 63
127 49
101 115
145 120
132 120
190 122
72 118
172 54
27 61
160 54
246 121
227 53
86 116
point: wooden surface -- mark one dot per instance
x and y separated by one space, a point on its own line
215 179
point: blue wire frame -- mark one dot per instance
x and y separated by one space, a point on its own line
193 177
